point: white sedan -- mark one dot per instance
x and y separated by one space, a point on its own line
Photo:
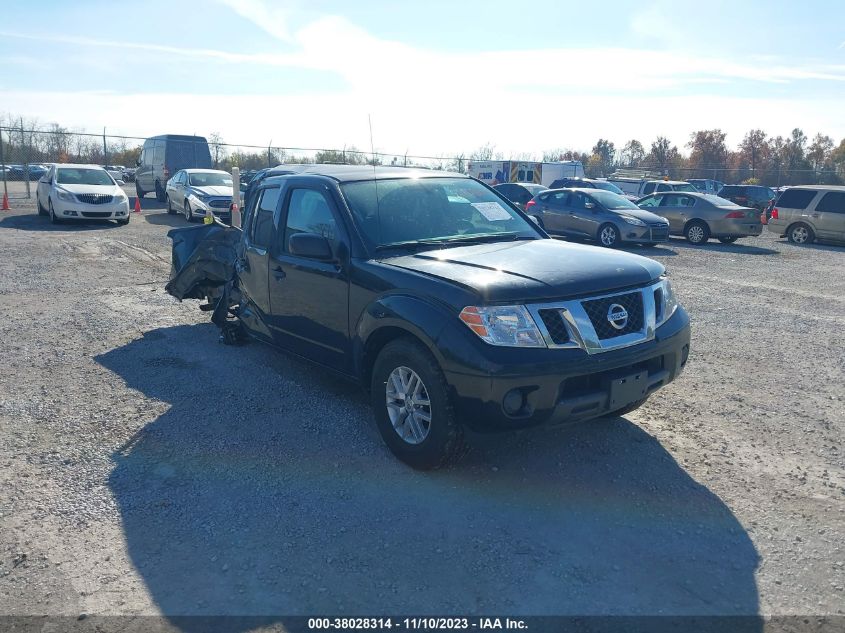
81 192
200 192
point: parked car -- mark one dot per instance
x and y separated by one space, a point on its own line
706 185
198 192
441 299
809 212
755 196
599 215
589 183
115 171
642 187
26 172
162 156
129 174
80 192
699 216
519 192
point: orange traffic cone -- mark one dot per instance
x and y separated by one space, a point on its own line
6 202
137 204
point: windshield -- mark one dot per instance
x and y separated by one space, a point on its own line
83 176
685 187
413 209
209 180
535 189
608 186
612 201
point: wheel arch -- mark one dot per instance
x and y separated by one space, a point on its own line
391 318
696 219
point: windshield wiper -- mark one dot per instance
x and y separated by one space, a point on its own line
447 241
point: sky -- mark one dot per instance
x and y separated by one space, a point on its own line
435 77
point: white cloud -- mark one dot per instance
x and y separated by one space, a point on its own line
270 18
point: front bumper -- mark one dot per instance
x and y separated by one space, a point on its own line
66 210
559 386
643 234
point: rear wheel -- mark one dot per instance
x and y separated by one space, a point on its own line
608 235
413 413
800 234
697 232
539 222
159 192
728 240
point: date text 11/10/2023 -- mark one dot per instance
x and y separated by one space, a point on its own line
420 623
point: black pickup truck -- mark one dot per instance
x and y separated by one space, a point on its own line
447 303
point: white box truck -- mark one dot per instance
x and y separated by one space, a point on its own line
494 172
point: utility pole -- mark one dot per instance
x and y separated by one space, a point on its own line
3 167
105 151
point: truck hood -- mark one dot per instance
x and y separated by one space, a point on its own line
215 190
532 270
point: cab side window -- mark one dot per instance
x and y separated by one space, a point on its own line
262 218
832 202
649 188
652 201
309 212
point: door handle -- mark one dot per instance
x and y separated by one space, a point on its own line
278 273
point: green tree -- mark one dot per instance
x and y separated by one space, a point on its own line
633 153
709 154
605 152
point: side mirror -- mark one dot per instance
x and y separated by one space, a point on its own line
310 245
120 183
589 205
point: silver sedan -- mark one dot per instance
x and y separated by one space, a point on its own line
699 216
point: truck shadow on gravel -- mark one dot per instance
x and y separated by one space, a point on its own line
263 489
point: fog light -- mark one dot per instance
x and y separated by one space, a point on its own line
513 402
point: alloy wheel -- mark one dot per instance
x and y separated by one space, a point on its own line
408 405
608 236
188 215
696 234
800 234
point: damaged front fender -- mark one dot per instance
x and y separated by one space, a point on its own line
202 260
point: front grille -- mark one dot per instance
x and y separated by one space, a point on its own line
220 204
96 214
94 198
597 309
555 325
659 233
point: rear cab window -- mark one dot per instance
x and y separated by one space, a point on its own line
796 198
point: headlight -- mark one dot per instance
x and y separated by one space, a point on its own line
119 196
67 196
199 198
630 219
670 301
510 326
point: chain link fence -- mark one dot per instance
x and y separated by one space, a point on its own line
25 156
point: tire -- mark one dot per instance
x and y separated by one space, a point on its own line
697 232
52 213
138 191
608 235
41 209
123 222
425 446
728 240
540 222
187 212
160 195
626 410
800 234
170 208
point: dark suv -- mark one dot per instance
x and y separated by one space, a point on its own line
754 196
445 302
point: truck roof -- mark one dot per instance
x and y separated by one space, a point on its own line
351 173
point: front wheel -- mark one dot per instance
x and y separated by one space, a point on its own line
800 234
728 240
52 213
187 211
609 235
697 232
41 209
413 413
170 208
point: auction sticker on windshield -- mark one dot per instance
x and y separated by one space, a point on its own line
492 211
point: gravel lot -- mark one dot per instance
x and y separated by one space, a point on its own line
145 468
